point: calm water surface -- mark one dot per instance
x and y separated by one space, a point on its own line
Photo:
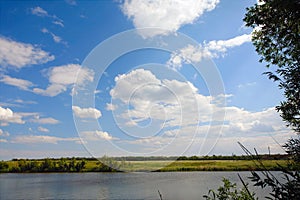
172 185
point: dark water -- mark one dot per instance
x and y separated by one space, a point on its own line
172 185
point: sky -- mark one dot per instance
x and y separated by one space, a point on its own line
139 78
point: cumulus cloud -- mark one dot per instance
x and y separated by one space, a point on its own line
40 12
63 77
96 135
167 15
17 55
8 116
86 112
20 83
171 101
184 114
212 49
32 139
221 46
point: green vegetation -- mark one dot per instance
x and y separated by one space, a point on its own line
222 165
44 165
106 164
229 191
276 39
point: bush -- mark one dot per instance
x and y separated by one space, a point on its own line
229 191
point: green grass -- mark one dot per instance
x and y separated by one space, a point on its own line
222 165
203 165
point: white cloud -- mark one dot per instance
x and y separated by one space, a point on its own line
188 55
16 103
70 74
42 129
110 106
20 83
55 38
17 55
20 101
58 22
245 85
33 139
63 77
3 133
185 115
8 116
38 11
168 15
261 2
52 90
171 101
3 141
96 135
71 2
212 49
47 120
86 112
221 46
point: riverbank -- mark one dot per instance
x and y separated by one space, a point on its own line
110 165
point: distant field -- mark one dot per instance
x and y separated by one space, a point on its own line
162 166
202 165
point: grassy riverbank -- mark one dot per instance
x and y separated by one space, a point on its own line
94 165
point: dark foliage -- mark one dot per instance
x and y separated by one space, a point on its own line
276 38
47 165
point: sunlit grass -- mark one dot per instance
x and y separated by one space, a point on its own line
202 165
183 165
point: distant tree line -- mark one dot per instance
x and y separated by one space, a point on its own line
108 164
44 165
213 157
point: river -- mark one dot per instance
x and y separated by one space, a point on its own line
172 185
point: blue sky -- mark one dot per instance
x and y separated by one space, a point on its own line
151 101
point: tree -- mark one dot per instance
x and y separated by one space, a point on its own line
276 37
3 166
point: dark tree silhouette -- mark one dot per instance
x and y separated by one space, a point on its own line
277 39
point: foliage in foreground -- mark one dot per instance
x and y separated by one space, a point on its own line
276 38
230 191
286 187
289 187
